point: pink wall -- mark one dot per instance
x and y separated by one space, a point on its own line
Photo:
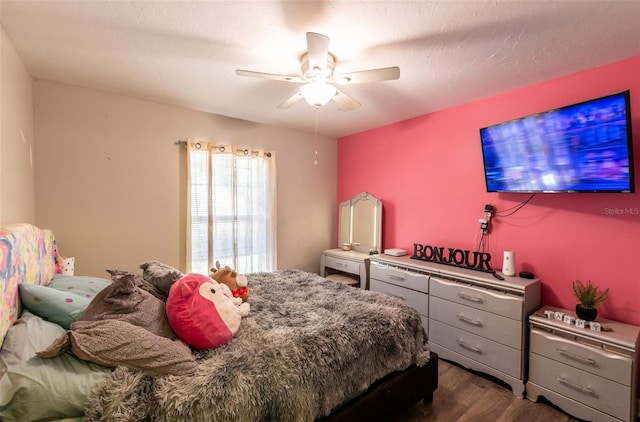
428 173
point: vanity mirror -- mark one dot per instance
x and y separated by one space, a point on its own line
359 235
360 223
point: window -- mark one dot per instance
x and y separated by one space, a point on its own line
232 202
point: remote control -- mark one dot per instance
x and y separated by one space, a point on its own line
498 276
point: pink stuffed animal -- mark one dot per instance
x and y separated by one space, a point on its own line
202 311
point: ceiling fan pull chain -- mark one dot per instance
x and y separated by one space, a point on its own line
315 137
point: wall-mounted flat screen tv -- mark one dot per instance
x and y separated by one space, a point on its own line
585 147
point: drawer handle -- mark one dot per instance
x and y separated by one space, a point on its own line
469 320
465 296
577 358
467 346
396 277
580 388
341 264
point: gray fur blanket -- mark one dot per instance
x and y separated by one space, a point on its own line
307 346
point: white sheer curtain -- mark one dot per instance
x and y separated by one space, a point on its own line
231 208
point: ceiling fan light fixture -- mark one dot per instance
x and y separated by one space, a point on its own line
317 66
317 93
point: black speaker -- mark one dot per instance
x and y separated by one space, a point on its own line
525 274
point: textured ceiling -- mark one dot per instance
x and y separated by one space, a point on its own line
186 53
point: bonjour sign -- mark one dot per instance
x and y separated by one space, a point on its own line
480 261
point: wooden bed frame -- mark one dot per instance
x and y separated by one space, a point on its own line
392 396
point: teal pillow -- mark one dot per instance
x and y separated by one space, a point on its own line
63 300
63 308
34 388
80 285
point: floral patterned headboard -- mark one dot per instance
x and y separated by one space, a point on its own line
27 255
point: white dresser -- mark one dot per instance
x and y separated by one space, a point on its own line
404 282
590 374
473 318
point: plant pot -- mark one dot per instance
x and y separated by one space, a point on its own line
588 314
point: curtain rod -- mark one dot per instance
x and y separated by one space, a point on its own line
221 148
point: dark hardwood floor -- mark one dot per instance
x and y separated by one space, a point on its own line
464 395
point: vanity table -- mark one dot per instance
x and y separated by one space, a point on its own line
349 267
360 227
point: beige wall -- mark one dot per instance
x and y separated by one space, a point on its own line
17 169
110 179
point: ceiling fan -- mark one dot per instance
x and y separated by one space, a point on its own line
317 66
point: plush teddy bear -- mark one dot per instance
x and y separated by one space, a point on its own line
202 312
236 282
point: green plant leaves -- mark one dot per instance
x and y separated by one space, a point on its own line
589 295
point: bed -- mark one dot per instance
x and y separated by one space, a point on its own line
310 349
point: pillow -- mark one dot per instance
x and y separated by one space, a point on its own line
32 388
80 285
64 300
160 275
53 305
126 325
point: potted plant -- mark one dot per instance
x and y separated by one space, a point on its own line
589 298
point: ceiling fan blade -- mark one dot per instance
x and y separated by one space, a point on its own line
318 48
290 101
372 75
285 78
345 101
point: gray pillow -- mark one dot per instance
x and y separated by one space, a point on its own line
126 325
160 275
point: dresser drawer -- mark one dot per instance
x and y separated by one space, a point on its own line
597 361
344 265
425 324
510 306
498 356
594 391
417 300
494 327
410 280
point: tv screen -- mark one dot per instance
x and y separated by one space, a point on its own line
585 147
